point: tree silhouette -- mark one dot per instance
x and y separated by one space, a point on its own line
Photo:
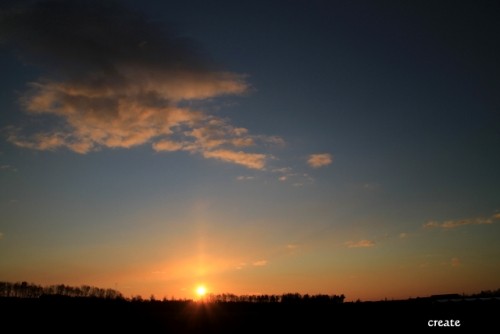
29 290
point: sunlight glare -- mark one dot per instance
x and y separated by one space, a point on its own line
201 291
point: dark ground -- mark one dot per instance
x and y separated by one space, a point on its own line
68 315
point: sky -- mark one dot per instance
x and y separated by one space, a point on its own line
252 147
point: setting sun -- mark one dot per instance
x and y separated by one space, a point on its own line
201 291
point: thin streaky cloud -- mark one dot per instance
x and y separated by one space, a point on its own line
260 263
249 160
8 168
360 244
452 224
245 178
282 170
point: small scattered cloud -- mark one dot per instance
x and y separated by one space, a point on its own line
260 263
496 216
1 235
455 262
360 244
403 235
452 224
319 160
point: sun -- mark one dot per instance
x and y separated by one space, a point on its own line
201 291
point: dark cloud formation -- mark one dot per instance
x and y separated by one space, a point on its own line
114 79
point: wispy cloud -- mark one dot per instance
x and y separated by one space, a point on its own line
288 175
371 186
260 263
292 248
455 262
320 160
241 265
245 178
1 235
452 224
8 168
360 244
284 170
403 235
113 88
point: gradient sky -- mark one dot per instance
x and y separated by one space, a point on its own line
251 146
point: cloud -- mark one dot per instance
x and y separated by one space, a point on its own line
496 216
1 235
283 170
292 248
403 235
167 145
371 186
320 160
297 179
260 263
249 160
8 168
360 244
455 262
245 178
113 79
240 265
452 224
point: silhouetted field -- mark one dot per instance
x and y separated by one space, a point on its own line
60 308
66 314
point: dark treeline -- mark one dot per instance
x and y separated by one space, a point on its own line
284 298
30 290
486 294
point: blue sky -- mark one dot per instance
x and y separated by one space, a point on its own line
254 147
